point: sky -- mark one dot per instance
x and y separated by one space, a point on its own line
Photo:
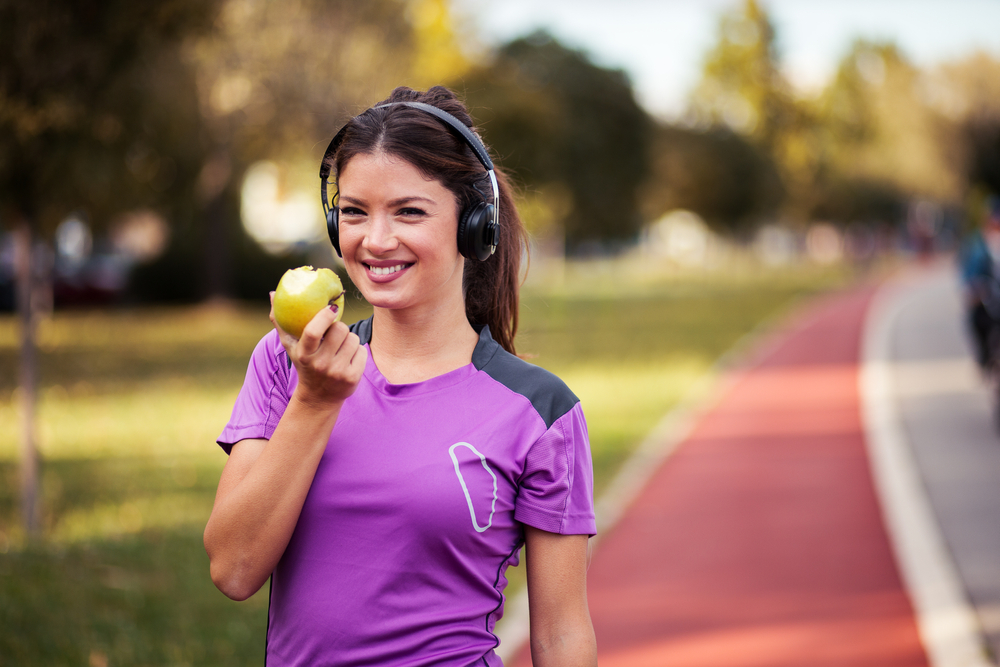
661 43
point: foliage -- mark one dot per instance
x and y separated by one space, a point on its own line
968 92
276 78
568 128
872 140
879 129
728 180
743 91
80 87
437 56
742 86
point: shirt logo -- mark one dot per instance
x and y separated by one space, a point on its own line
477 485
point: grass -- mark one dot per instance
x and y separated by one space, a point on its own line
131 402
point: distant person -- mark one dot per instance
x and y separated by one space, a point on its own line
386 474
980 266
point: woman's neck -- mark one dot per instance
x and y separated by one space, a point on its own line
410 347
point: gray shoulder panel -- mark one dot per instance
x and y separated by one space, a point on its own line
364 330
549 395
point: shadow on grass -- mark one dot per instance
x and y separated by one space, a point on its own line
102 589
143 599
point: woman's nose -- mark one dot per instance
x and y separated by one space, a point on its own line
381 237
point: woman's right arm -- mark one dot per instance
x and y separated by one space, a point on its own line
265 482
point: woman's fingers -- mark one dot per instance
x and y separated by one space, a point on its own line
359 360
329 358
321 327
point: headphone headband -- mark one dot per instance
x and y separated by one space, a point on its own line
482 241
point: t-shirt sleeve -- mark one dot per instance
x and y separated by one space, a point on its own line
557 487
264 395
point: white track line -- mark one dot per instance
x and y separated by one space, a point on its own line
947 623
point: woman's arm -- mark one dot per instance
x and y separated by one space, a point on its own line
561 631
265 482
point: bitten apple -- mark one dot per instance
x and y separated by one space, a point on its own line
302 293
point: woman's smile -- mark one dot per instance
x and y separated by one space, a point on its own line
385 272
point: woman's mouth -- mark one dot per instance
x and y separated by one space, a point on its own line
386 272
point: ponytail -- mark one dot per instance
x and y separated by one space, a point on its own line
492 288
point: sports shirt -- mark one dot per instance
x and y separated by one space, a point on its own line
416 510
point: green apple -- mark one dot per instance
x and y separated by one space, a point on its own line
302 293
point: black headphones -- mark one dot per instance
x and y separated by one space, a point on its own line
478 225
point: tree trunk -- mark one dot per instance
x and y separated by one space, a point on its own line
28 377
217 261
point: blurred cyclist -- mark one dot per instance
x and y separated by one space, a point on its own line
980 264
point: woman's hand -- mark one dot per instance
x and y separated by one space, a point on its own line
328 358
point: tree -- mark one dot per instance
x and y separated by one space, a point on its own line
879 131
67 112
967 92
743 90
720 175
742 86
570 130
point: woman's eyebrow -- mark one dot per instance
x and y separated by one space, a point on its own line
399 201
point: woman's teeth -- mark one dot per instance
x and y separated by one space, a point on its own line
386 270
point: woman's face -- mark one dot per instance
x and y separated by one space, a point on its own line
398 233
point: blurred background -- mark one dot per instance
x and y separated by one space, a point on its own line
691 169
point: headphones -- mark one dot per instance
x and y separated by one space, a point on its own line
478 225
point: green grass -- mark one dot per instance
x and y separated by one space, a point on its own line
131 402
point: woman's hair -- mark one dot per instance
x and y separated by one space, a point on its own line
491 287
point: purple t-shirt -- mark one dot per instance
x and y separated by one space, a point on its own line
416 508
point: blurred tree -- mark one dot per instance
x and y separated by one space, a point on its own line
78 134
878 131
720 175
438 57
742 89
572 132
742 86
967 92
869 142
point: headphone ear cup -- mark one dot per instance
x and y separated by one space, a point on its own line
333 228
469 230
476 234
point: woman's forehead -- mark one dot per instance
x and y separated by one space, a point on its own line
387 165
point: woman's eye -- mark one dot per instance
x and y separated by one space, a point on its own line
351 210
411 212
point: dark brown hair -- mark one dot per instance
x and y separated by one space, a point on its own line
492 287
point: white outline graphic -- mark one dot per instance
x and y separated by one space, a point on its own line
465 489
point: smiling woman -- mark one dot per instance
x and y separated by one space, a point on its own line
386 474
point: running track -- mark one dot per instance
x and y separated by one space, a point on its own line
760 541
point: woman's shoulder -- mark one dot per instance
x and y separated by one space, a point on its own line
269 346
548 394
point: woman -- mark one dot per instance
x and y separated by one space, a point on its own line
385 475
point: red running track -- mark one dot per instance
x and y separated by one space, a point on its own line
760 542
